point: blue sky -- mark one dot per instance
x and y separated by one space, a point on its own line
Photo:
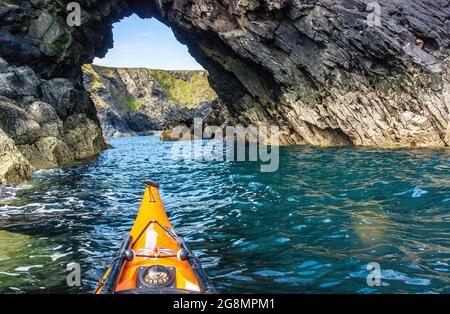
147 43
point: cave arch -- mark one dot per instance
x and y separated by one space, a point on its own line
315 68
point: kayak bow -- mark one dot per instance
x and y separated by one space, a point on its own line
152 258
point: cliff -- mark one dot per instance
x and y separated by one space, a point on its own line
132 101
319 69
43 123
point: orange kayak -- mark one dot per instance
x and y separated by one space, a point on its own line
152 258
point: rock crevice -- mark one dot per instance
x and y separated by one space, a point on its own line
321 72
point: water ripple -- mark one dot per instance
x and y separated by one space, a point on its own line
312 226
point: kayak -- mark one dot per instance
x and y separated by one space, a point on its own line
153 259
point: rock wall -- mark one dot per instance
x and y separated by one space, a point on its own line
43 123
316 68
135 101
321 72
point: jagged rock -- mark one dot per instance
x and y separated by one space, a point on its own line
47 118
137 101
219 116
19 82
67 98
83 136
318 69
181 125
17 123
13 48
47 152
43 123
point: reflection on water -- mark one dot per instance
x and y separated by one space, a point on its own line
313 226
370 223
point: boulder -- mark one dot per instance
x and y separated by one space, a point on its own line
13 166
182 125
83 136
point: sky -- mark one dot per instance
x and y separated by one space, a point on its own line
147 43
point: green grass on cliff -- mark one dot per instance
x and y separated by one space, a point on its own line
184 88
184 92
133 104
96 79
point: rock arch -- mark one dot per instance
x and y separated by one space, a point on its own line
313 67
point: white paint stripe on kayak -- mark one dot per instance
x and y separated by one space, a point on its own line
190 286
151 238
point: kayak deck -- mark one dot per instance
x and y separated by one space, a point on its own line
155 259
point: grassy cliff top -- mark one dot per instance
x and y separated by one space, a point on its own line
185 88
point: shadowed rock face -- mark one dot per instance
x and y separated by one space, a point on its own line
313 67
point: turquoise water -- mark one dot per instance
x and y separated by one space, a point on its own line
312 226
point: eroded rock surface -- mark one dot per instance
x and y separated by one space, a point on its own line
182 122
13 166
320 72
316 68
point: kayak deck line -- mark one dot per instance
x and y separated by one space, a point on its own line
153 259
